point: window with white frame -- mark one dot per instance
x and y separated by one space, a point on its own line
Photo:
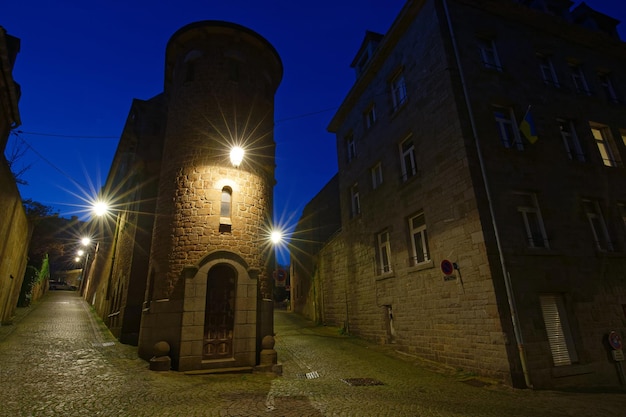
570 140
377 175
597 224
547 70
398 90
407 159
489 54
350 147
558 330
507 128
607 87
370 116
419 239
579 80
384 252
355 202
532 221
603 139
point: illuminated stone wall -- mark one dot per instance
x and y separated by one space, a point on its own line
220 82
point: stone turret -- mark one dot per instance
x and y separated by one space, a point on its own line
208 265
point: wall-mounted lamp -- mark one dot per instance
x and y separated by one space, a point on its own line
236 156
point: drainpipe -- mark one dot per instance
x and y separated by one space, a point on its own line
507 278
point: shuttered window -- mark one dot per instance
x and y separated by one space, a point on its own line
558 330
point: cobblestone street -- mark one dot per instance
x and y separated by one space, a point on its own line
59 360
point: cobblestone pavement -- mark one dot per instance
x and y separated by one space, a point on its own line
58 359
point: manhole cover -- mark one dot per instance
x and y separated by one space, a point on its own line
362 382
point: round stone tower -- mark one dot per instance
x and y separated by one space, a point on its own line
208 269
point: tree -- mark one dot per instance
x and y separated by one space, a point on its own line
13 155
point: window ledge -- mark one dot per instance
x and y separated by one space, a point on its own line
422 265
399 108
541 252
571 370
385 276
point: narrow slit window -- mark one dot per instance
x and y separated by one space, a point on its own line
226 205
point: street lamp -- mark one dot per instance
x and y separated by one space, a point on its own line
100 208
236 156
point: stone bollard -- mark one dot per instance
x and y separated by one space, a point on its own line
161 361
268 360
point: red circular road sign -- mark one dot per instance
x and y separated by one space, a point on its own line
281 274
447 267
615 340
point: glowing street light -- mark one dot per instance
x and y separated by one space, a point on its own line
85 241
80 252
236 156
100 208
276 237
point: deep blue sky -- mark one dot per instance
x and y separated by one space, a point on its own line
81 64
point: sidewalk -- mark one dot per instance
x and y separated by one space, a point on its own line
20 313
59 360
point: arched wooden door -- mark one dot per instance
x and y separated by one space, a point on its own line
219 313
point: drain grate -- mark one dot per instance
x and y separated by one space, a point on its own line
308 375
362 382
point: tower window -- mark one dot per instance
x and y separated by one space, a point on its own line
226 209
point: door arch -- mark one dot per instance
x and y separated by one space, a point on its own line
219 312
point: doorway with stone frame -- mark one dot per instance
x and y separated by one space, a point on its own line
219 315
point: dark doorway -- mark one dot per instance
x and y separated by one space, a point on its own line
219 313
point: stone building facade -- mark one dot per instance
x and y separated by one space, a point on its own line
15 228
187 259
467 238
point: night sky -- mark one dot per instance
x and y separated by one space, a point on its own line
81 64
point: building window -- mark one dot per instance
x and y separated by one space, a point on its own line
370 116
488 54
607 87
225 210
578 78
226 202
355 202
350 147
384 253
398 91
377 175
407 159
602 137
547 71
532 221
558 330
570 140
597 224
507 128
419 239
